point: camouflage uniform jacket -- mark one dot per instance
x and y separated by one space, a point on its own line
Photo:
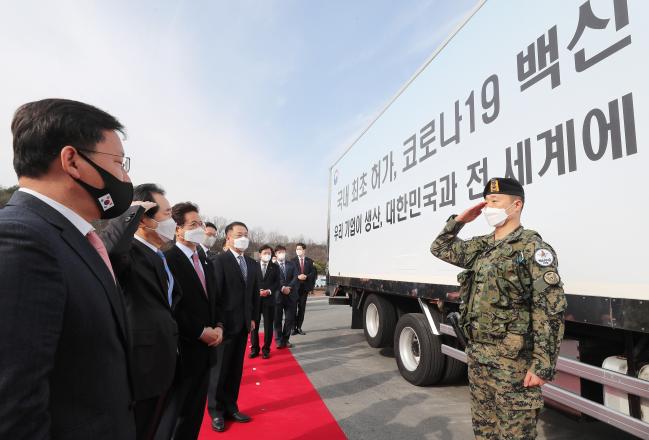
512 296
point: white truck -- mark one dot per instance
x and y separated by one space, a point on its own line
556 95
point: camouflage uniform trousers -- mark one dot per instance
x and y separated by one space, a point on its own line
501 408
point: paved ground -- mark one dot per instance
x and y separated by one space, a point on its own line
366 394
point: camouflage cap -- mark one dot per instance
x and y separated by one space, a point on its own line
504 185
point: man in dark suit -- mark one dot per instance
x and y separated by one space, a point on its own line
286 300
307 275
64 348
268 279
151 294
236 280
210 240
200 320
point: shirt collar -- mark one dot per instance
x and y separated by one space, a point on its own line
236 254
186 250
79 222
146 243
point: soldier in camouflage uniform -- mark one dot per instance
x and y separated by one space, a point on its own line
511 314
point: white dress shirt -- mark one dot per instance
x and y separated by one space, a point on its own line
79 222
188 253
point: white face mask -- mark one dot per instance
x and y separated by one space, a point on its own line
166 229
496 216
266 258
197 235
241 243
209 241
299 252
281 256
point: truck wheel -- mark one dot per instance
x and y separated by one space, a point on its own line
418 352
379 319
454 371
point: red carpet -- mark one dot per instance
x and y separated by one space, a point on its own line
283 404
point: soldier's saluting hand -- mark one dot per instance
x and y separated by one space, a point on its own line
511 312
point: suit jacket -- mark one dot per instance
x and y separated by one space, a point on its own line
309 270
153 329
195 310
270 281
240 298
288 279
64 348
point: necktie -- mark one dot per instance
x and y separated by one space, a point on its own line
96 242
302 265
283 270
170 278
244 268
263 269
199 271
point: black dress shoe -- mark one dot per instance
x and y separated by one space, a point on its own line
239 417
294 332
280 345
253 354
218 424
300 331
265 355
288 345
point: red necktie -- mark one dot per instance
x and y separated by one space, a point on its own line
96 242
302 265
199 272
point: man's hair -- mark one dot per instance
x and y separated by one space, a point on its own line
144 193
279 248
42 128
211 225
302 245
179 210
231 226
264 247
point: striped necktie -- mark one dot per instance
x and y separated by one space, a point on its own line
244 267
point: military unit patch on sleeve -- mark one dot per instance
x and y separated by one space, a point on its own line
543 257
552 278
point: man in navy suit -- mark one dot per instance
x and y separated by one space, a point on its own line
64 350
268 278
238 285
286 300
307 275
134 241
200 320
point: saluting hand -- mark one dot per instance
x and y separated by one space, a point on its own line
145 205
471 214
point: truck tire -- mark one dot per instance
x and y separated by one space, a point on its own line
379 319
418 352
454 371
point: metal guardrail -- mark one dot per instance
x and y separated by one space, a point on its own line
600 412
602 376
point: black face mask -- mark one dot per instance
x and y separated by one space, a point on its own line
114 198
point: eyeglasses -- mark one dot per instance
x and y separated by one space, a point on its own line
126 161
194 225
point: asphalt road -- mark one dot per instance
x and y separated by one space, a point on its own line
366 394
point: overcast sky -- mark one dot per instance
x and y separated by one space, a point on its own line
238 106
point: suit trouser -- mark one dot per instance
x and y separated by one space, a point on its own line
286 305
184 414
148 413
301 308
225 377
268 310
